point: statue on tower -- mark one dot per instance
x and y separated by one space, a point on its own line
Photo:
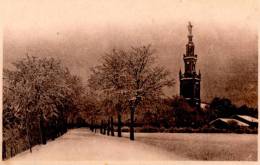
190 28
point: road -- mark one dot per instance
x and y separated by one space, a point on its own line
83 145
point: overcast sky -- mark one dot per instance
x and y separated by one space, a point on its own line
80 31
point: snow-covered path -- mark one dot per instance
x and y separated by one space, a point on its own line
81 144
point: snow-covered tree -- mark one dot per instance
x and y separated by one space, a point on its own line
39 93
129 77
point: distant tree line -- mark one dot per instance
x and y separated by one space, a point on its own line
175 112
223 107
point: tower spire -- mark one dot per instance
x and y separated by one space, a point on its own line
190 80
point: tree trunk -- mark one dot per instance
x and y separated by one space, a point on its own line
95 128
101 127
11 151
65 124
91 126
56 129
132 124
15 150
52 128
3 150
27 132
112 126
42 130
108 127
119 125
105 129
62 121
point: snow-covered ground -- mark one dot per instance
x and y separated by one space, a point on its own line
205 146
83 145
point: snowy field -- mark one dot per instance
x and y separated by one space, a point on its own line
203 146
83 145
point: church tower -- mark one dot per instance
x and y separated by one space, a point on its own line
190 80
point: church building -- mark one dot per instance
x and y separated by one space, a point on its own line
190 80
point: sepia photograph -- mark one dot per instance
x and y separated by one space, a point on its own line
169 81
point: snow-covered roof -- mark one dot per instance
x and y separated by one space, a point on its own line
227 120
248 118
203 105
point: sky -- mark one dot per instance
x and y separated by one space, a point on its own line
79 32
